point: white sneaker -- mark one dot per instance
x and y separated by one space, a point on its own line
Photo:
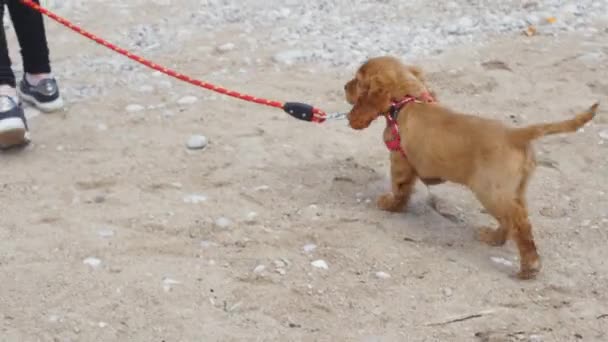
13 125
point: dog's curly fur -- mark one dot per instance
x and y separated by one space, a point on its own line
495 161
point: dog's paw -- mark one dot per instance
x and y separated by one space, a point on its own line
390 203
492 237
529 268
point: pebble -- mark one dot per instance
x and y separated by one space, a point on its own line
195 199
251 217
308 248
132 108
259 269
105 233
320 264
262 188
187 100
207 244
502 261
168 284
535 338
197 142
289 57
448 292
225 48
223 222
103 324
603 134
102 127
382 275
93 262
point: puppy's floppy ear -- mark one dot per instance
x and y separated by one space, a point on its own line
373 100
419 74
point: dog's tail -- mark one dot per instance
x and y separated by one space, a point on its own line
529 133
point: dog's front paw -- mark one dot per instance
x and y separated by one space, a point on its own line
390 203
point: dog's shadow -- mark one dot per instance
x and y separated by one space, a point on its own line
444 216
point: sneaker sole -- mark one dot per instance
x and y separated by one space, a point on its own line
13 133
46 107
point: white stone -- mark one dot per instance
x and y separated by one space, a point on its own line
502 261
105 233
197 142
187 100
91 261
262 188
382 275
225 47
223 222
195 199
603 134
251 217
132 108
103 324
447 292
308 248
320 264
259 269
290 57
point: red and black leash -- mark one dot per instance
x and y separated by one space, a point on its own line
301 111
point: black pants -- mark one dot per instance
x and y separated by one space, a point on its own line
29 28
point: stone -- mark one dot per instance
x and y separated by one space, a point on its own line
382 275
195 199
132 108
320 264
197 142
91 261
227 47
187 100
223 222
308 248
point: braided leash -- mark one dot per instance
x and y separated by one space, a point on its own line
298 110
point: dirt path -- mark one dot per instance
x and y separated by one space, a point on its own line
118 186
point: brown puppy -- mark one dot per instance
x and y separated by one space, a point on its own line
493 160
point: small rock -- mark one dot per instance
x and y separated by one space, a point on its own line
262 188
195 199
102 127
309 247
279 263
53 318
132 108
603 134
502 261
225 47
535 338
320 264
93 262
289 57
207 244
105 233
281 271
197 142
251 217
168 284
382 275
222 222
259 269
586 223
103 324
187 100
448 292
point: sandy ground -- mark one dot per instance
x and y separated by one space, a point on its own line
120 187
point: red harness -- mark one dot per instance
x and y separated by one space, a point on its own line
394 144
